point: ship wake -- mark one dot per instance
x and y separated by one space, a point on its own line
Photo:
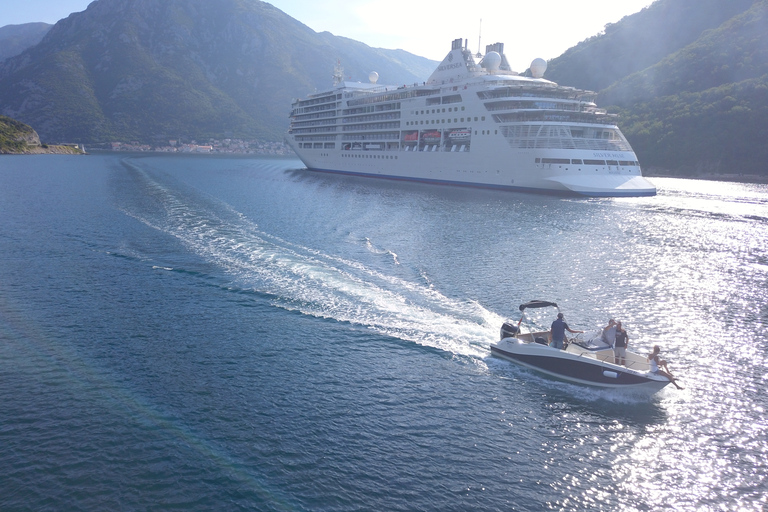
299 278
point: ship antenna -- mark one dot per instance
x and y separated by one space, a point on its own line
479 38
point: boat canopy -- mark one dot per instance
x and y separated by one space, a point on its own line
537 304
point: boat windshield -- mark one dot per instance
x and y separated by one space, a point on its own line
537 304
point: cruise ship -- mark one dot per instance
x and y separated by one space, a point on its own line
474 122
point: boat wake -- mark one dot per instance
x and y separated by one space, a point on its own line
303 279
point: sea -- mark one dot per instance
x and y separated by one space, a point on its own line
194 332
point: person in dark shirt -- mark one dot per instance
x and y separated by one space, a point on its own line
620 345
557 332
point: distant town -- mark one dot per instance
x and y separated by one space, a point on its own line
229 146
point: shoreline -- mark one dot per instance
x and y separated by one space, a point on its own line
75 150
47 150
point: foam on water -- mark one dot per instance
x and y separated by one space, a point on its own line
304 279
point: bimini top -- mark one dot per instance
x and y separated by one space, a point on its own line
537 304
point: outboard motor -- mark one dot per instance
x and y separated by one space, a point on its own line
508 330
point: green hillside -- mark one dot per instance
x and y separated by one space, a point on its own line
15 137
19 138
640 40
700 107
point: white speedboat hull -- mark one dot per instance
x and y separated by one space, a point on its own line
581 366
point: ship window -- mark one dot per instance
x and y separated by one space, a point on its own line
482 118
538 160
475 118
612 162
462 109
576 161
462 119
624 162
594 162
555 161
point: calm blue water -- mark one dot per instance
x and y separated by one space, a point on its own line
200 333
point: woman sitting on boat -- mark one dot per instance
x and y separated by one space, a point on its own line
657 363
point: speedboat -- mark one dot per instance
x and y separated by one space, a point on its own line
585 359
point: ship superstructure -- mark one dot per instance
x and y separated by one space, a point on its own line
471 123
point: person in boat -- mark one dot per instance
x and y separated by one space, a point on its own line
557 332
609 333
620 345
657 363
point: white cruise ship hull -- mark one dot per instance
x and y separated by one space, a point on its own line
507 170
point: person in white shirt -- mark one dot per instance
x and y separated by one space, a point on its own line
657 363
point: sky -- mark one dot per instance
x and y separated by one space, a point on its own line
528 29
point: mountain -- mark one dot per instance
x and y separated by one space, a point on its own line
690 80
14 39
640 40
152 70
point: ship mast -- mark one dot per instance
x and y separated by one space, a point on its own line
479 38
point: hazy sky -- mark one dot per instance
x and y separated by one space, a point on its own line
528 29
